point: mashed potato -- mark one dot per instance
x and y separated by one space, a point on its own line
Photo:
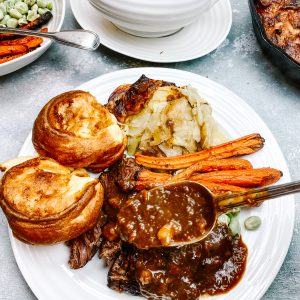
176 120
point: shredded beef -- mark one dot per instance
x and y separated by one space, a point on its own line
84 247
110 250
121 276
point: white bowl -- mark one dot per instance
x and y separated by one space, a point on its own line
54 24
152 18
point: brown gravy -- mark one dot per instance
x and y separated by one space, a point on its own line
210 267
166 215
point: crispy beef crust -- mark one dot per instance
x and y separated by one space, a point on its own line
129 99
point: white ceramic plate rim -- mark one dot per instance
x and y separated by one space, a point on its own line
46 43
287 217
107 44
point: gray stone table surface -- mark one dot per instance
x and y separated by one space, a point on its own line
238 64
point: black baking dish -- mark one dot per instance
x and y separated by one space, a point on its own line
288 65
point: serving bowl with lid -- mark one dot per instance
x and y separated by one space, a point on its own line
152 18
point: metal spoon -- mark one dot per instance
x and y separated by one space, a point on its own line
158 218
83 39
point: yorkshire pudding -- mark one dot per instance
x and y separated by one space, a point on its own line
46 203
77 131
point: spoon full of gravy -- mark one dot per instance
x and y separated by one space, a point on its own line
184 212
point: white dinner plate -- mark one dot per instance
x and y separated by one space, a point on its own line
54 24
193 41
46 268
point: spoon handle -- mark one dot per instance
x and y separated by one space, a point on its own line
255 196
83 39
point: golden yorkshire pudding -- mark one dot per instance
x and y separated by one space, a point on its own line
46 203
77 131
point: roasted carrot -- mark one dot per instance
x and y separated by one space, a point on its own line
215 188
34 43
242 146
205 166
218 188
242 178
28 40
5 59
12 49
146 175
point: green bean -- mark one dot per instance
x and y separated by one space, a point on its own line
32 15
4 20
10 4
3 8
22 21
21 7
34 7
252 223
49 5
30 2
12 23
15 13
41 3
41 11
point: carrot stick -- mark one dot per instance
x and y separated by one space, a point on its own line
146 175
215 188
242 146
21 41
12 49
242 178
33 43
218 188
213 165
11 57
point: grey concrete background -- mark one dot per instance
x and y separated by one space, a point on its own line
238 64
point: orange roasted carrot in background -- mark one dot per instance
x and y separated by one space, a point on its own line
11 57
242 146
28 40
33 43
12 49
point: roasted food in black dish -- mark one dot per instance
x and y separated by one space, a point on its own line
276 25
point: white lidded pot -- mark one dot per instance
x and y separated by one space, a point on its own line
152 18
